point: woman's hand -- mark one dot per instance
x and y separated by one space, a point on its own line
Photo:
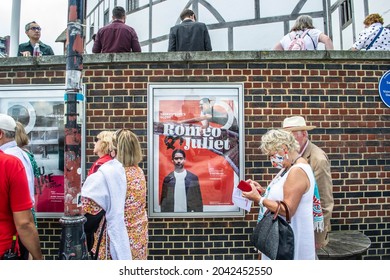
257 186
254 194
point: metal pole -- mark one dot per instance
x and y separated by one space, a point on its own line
15 27
73 243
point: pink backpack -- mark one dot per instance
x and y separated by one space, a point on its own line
298 44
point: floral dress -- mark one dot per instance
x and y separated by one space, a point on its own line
136 219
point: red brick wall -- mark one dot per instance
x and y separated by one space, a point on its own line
338 95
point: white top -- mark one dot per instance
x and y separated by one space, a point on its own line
382 43
311 36
180 196
11 148
302 221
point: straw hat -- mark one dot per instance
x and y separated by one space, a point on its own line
296 123
7 122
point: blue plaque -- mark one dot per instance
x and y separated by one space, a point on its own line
384 88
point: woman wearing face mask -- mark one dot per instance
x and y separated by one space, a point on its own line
295 184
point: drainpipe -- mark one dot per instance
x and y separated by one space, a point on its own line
15 27
73 244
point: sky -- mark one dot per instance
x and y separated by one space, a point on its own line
51 15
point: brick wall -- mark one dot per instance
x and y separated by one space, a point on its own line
335 91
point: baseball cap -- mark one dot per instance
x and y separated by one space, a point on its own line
7 122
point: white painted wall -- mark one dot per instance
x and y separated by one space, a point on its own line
254 37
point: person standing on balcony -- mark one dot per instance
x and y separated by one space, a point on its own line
189 35
304 28
33 32
374 36
117 37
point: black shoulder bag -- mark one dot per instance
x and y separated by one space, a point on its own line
273 235
91 226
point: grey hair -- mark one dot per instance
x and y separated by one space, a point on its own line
274 140
27 26
9 134
303 22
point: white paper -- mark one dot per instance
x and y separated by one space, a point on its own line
240 201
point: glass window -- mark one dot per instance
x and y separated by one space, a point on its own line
91 31
132 5
106 17
346 13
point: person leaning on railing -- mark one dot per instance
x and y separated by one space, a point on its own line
374 36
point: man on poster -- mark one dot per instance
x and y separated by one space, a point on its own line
209 114
181 189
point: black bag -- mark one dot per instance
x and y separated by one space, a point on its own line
91 226
12 254
273 235
95 256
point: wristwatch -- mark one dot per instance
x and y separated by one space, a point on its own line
261 201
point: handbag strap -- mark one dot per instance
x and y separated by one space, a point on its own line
376 37
95 257
314 45
277 210
287 210
304 33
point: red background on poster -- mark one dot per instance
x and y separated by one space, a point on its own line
216 176
50 196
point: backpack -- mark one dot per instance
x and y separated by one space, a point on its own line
298 44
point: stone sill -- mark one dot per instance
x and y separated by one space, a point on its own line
215 56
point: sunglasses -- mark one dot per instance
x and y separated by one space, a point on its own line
96 139
35 28
118 132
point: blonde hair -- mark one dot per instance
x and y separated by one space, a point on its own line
373 18
274 140
106 141
128 148
21 137
303 22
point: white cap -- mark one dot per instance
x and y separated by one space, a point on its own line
7 123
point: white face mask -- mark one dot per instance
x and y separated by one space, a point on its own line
277 161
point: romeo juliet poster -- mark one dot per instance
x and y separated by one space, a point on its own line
199 133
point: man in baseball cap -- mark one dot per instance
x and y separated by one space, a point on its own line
320 164
9 146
